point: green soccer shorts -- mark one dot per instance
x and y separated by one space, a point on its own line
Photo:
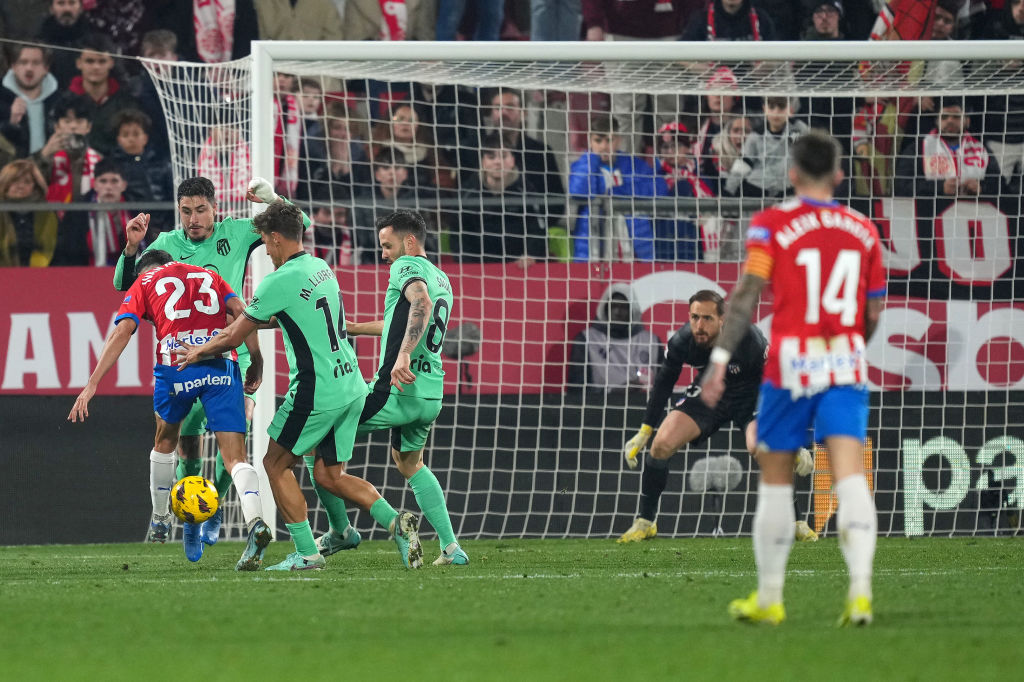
408 418
194 423
331 432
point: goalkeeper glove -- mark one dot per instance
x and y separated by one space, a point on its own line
804 463
263 189
635 444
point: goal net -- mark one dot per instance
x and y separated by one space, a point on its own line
578 194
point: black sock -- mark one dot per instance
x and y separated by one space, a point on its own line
652 485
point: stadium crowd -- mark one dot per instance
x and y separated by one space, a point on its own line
79 122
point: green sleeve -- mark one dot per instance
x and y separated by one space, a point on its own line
124 271
266 301
405 270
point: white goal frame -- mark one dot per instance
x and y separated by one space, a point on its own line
265 54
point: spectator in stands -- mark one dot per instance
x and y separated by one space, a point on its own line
313 143
825 22
615 352
533 157
490 14
344 172
331 236
65 27
159 45
730 20
629 20
764 169
726 148
710 120
375 20
27 238
67 158
877 135
855 18
604 231
555 20
119 20
431 168
147 175
948 162
178 17
97 237
391 185
1004 114
944 73
298 20
287 134
678 240
101 89
498 224
26 95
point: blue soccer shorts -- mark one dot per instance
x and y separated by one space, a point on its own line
216 383
783 422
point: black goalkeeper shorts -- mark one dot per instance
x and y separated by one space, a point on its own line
736 406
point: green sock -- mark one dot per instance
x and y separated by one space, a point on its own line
223 478
337 516
383 513
430 498
189 467
302 536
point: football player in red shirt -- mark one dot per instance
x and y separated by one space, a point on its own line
824 262
188 303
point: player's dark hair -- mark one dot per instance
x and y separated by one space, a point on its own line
151 257
816 155
708 296
197 187
403 222
107 165
280 217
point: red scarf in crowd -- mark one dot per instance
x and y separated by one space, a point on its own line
214 23
685 174
287 136
61 188
968 161
106 236
394 20
231 179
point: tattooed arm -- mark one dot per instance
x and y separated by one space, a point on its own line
738 314
419 314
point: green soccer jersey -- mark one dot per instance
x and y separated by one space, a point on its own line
426 357
323 373
226 252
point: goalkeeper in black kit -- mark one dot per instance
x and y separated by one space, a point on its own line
691 421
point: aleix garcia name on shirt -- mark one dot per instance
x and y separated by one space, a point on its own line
318 278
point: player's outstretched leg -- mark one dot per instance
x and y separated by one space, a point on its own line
652 484
430 498
341 535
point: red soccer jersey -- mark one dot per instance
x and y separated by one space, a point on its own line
183 302
824 261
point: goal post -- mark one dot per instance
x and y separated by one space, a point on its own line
519 452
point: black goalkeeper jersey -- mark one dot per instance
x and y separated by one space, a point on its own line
742 377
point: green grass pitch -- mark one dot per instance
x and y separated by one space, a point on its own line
945 609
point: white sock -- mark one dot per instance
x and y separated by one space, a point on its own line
858 530
773 537
247 485
161 478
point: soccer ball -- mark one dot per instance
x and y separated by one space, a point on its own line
194 499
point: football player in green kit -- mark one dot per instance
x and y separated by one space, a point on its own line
405 394
325 395
224 247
